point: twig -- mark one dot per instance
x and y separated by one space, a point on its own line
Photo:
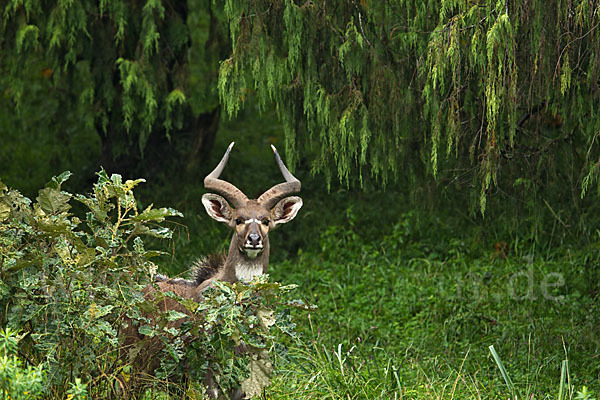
528 114
361 24
571 42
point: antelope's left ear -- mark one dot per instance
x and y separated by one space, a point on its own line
285 210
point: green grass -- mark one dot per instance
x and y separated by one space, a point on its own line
404 319
409 304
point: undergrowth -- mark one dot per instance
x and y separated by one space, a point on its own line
74 322
408 318
411 303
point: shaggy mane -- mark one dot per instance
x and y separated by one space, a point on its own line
206 267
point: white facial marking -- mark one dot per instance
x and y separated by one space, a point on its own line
251 220
247 271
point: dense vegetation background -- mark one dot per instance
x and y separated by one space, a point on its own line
447 150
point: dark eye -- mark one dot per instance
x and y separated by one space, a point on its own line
238 221
266 222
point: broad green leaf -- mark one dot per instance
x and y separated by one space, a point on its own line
95 311
130 184
53 201
162 233
4 211
57 181
172 330
86 257
190 305
53 227
147 306
94 207
173 315
156 214
21 263
147 330
154 253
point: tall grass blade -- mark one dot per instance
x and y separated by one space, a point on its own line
563 378
507 379
338 355
395 372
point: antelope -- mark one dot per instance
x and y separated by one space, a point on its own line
251 221
248 255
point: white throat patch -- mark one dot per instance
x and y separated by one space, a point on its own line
247 271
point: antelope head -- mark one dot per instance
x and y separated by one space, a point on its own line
251 220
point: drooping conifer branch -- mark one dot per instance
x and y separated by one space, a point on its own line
379 85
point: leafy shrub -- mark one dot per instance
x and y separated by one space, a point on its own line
72 285
230 315
17 382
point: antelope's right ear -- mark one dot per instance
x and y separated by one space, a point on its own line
217 207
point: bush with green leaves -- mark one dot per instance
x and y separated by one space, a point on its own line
17 382
231 334
71 285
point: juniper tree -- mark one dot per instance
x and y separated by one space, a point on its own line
131 71
469 92
466 88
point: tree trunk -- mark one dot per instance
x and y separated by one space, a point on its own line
204 129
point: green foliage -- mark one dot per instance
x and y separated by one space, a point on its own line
585 394
392 87
16 382
77 390
118 70
67 286
413 315
243 313
480 95
74 286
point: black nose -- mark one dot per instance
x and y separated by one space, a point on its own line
254 239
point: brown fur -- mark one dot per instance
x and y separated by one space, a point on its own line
207 267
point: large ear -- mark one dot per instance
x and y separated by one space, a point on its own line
217 207
285 210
